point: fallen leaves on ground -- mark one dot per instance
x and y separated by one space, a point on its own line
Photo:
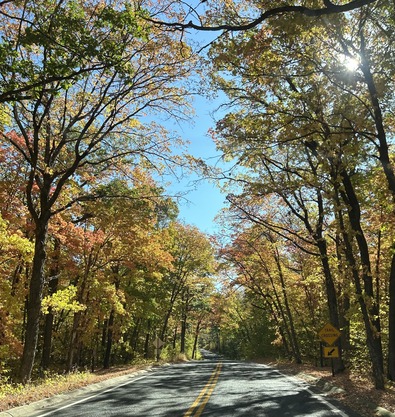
359 392
12 395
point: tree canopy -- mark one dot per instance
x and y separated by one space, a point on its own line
94 262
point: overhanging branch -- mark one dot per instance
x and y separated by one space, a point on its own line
329 8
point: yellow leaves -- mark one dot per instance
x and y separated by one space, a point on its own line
115 298
5 118
64 299
134 123
48 170
14 243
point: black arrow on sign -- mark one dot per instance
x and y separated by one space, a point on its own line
330 352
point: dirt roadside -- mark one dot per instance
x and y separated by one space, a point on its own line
355 391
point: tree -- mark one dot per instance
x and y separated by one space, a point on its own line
254 254
292 119
74 36
234 16
192 265
72 134
134 249
16 251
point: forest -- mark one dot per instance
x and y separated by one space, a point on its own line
95 264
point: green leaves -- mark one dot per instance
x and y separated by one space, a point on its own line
59 41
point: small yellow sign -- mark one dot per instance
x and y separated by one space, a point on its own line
331 352
329 334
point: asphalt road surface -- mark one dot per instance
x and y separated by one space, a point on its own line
213 387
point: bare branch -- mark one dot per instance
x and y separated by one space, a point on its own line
329 8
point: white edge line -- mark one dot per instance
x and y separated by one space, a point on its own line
304 385
329 404
90 397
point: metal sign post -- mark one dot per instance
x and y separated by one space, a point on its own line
329 334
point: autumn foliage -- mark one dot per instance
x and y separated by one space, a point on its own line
95 264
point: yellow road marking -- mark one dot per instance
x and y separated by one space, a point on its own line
205 394
209 391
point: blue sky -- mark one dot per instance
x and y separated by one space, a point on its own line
203 200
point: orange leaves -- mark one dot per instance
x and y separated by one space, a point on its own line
16 139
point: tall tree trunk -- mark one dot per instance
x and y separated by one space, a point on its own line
74 345
175 337
165 323
107 354
294 338
375 351
147 338
195 341
34 302
344 302
110 331
377 269
371 337
391 324
49 318
47 339
182 336
73 342
319 238
333 305
177 287
354 215
135 334
389 172
275 310
185 297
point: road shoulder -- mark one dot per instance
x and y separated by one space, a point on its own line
73 395
356 393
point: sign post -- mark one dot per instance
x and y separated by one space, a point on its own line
329 334
158 343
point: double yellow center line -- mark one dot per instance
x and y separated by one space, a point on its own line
198 405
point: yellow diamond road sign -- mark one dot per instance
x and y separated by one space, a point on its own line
329 334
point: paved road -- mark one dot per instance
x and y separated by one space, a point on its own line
213 387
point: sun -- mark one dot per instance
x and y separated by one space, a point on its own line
350 63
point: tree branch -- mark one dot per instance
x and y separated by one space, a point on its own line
329 8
